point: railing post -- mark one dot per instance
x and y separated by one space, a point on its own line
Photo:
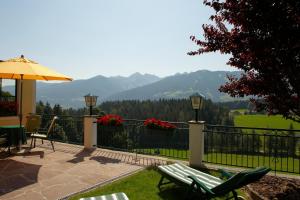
196 143
90 131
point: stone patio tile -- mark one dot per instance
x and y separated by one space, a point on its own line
13 195
46 175
30 195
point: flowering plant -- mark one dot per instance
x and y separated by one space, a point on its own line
8 108
110 120
153 123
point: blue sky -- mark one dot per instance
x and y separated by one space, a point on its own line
84 38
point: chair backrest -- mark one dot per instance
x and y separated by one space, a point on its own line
241 179
3 138
33 123
255 175
52 124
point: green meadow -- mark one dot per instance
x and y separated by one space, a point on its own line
264 121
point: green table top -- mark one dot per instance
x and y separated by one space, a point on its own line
11 126
15 134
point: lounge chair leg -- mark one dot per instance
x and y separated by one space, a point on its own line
52 145
31 143
34 143
160 182
235 196
42 141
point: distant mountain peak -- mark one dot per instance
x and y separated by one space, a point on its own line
136 74
136 86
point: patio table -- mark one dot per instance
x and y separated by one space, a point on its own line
15 135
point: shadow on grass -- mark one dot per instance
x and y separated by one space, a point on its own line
173 193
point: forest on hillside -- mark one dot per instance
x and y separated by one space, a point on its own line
176 110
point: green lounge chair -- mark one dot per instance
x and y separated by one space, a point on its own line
207 185
115 196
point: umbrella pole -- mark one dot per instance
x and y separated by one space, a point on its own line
20 114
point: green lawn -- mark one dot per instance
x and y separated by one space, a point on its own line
282 164
141 186
172 153
264 121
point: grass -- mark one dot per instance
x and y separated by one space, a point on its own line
180 154
141 186
239 111
282 164
265 121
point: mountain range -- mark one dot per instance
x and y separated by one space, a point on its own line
180 86
136 87
70 94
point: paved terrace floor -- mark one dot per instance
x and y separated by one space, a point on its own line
45 175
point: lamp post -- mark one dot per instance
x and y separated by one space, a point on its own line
90 101
197 103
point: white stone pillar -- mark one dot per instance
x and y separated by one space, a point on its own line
90 131
196 143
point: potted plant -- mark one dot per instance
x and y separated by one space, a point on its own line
157 133
8 108
156 124
110 131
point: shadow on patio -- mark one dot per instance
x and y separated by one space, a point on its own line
44 174
15 175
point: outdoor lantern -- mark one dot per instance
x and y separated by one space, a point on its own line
197 103
90 101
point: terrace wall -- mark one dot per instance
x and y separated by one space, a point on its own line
28 104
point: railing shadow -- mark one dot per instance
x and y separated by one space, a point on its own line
105 160
79 157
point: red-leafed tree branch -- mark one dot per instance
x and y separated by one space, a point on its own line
263 39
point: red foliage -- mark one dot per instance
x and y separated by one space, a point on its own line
8 107
263 40
153 123
110 120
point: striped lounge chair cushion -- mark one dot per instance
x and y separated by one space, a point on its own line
115 196
181 172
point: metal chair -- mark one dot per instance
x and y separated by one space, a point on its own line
4 143
33 124
44 134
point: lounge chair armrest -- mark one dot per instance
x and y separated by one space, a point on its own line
200 185
225 174
42 131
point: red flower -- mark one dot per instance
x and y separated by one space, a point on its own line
110 120
153 123
8 107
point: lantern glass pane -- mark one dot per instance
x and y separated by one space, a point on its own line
93 100
196 102
87 100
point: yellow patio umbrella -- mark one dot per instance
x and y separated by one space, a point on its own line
22 68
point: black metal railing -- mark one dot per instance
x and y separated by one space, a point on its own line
278 149
133 136
68 129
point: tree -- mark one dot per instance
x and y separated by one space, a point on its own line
40 107
262 37
57 109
